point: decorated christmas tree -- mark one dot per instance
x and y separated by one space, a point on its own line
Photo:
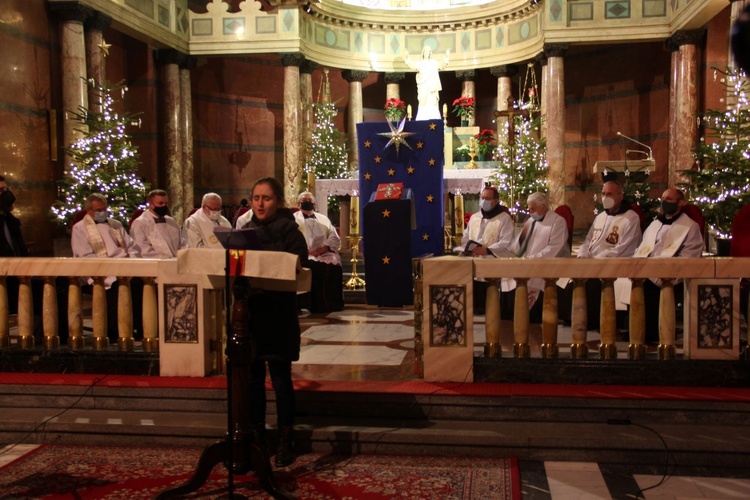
103 161
636 188
326 153
720 179
523 165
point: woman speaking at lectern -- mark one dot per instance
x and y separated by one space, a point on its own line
273 318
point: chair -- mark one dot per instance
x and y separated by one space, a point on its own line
566 213
694 213
638 210
240 211
740 246
137 213
78 217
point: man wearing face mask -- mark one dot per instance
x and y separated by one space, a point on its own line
198 230
11 239
155 232
327 293
672 234
544 234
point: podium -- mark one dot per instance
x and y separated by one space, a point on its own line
388 226
278 271
635 167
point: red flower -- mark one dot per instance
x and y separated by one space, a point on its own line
394 109
464 107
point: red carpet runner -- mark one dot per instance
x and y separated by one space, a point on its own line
56 472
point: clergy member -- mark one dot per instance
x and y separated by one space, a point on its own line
155 232
323 242
488 234
544 234
198 230
672 234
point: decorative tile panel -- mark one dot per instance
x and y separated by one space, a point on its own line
483 39
447 316
334 39
202 27
522 31
654 8
163 14
555 10
145 7
499 37
376 44
617 10
233 26
581 11
265 25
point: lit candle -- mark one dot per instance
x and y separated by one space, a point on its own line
354 215
311 181
458 212
408 112
445 111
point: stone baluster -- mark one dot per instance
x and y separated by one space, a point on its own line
355 112
492 347
549 319
95 55
344 205
504 74
4 315
49 314
292 131
124 315
150 316
521 320
555 122
25 314
667 318
468 89
416 265
392 85
608 321
75 314
637 322
579 349
99 314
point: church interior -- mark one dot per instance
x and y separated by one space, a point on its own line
222 94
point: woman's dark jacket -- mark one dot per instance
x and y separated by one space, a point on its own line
273 315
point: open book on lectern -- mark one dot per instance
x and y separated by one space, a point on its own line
238 239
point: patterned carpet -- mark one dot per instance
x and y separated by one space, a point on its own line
53 472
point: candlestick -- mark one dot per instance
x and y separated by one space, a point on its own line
354 216
408 112
458 213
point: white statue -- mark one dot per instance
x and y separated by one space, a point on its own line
428 83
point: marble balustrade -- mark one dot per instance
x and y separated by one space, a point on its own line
448 323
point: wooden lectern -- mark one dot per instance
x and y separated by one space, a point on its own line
619 166
279 271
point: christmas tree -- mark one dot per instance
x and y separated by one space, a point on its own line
720 179
636 189
326 155
523 165
103 161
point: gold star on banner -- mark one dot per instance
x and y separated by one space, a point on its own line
105 47
430 198
367 176
410 170
397 136
425 237
432 126
386 213
377 159
432 162
420 144
386 260
368 144
391 172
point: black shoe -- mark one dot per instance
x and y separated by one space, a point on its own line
284 455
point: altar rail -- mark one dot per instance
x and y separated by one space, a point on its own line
444 302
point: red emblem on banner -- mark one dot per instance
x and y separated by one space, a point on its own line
389 191
236 262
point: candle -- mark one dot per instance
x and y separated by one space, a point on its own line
311 181
354 216
445 111
458 212
408 111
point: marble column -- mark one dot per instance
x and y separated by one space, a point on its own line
292 111
683 110
504 75
555 123
542 59
355 115
96 52
73 69
392 85
468 89
306 101
186 139
170 61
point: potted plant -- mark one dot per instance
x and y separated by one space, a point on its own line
463 107
394 109
484 144
461 153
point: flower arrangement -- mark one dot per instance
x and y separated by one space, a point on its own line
484 141
395 109
463 107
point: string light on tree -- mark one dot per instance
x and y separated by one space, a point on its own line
104 161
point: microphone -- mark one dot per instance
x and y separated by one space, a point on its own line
650 156
628 151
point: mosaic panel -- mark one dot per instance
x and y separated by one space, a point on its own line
233 25
290 20
181 313
265 25
202 27
359 42
447 316
145 7
163 15
182 20
395 45
499 37
555 10
715 317
654 8
581 11
617 10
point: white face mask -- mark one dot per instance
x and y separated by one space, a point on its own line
101 216
485 205
214 215
537 217
608 202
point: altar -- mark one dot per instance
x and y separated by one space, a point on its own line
469 181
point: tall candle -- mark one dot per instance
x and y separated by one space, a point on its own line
408 112
311 181
445 111
458 211
354 216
